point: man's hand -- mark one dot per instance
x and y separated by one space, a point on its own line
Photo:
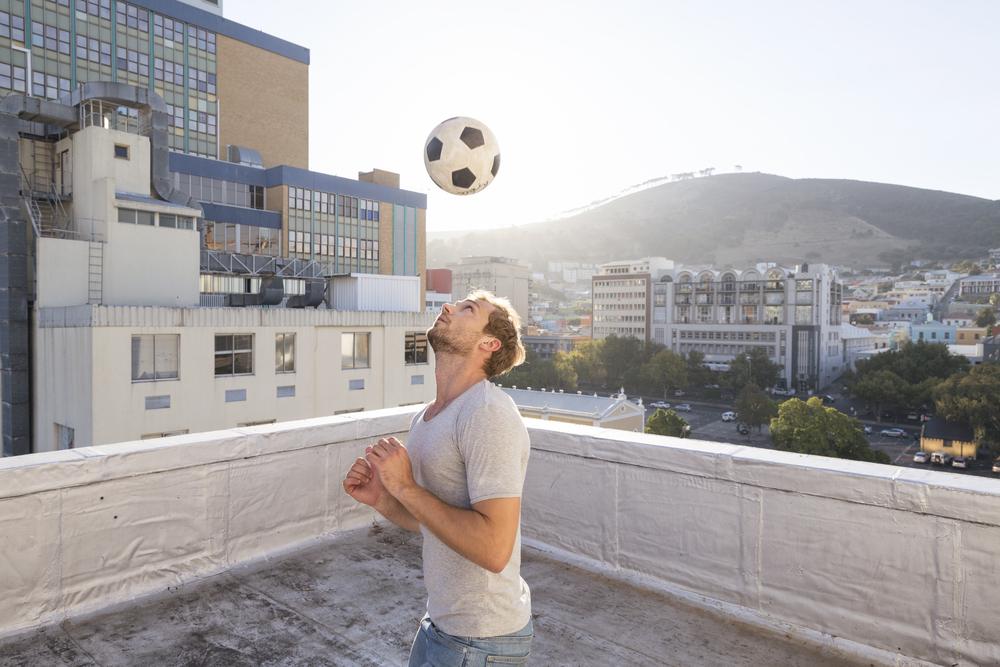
392 465
363 484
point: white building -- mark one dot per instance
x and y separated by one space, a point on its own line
980 286
616 411
793 315
621 296
503 276
858 341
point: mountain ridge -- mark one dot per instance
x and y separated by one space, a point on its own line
749 217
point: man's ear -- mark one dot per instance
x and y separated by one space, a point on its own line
491 344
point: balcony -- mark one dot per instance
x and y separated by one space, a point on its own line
238 547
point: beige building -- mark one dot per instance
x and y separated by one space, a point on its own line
503 276
615 412
970 335
621 297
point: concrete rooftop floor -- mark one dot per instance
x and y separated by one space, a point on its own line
356 599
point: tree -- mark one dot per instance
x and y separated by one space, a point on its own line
667 422
537 372
666 370
809 428
621 358
754 368
585 360
880 389
972 398
697 374
754 407
987 317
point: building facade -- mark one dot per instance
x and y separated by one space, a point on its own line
794 315
147 167
979 286
621 297
504 276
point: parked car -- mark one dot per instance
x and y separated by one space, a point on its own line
892 432
996 467
743 429
659 404
959 462
827 398
912 416
729 416
682 407
868 429
679 392
920 457
780 391
711 386
941 459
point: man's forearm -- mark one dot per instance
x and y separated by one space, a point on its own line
465 531
394 511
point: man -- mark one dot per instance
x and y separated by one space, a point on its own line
458 481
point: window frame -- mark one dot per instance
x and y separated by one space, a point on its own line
232 352
355 337
282 338
128 152
412 349
156 376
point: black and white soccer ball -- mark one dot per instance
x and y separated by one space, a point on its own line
462 156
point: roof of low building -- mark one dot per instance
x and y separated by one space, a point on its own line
945 430
580 404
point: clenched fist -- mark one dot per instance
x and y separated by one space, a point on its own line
363 484
391 463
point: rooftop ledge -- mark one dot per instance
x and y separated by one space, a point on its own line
844 560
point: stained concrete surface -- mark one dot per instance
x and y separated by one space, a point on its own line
356 600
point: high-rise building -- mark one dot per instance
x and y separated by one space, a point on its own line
143 165
621 294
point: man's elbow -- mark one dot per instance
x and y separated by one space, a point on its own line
498 564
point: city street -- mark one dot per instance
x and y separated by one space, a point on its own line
706 424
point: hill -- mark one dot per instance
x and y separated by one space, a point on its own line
737 219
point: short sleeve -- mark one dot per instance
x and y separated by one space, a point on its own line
494 445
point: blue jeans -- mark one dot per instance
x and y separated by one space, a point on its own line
434 648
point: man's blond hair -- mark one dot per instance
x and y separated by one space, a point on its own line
504 325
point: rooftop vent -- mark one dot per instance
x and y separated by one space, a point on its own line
248 157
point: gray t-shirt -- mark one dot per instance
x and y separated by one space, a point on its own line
475 449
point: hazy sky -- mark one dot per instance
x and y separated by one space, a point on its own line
587 98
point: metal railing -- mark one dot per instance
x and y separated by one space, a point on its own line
254 265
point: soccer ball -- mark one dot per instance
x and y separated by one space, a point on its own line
462 156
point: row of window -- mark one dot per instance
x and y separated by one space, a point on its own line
148 218
157 356
237 238
329 245
341 205
218 191
756 336
619 283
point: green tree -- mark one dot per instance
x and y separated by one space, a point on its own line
586 362
753 367
565 371
972 398
754 407
880 390
697 374
622 359
809 428
987 317
664 371
667 422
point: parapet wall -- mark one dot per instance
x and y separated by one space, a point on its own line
899 560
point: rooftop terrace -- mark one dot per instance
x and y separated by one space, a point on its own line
239 547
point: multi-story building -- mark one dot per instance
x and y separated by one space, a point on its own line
438 289
906 311
931 331
979 286
621 297
146 166
503 276
793 315
546 345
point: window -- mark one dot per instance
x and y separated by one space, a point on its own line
354 350
415 348
234 354
176 221
284 353
155 357
135 217
121 151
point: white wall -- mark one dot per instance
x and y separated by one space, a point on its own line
64 282
109 407
886 561
150 266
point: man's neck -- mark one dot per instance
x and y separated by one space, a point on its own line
454 374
